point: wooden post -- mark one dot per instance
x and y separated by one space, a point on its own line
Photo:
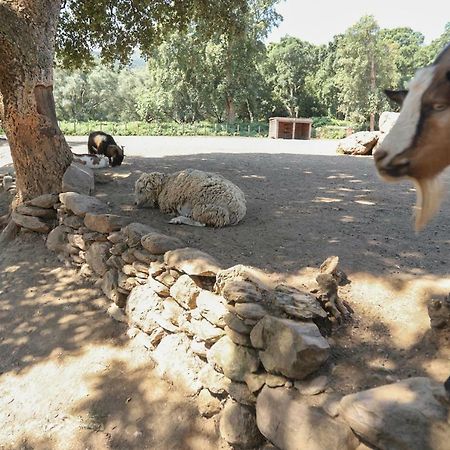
293 129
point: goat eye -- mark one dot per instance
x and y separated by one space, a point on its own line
439 106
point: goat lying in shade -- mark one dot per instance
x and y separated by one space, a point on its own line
200 198
418 146
91 161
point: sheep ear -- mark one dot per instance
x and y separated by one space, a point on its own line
396 96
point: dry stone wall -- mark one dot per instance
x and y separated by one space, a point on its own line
246 350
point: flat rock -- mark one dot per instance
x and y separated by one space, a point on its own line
298 304
78 178
158 243
144 256
44 201
36 211
293 349
208 405
253 311
104 223
233 360
312 387
241 291
212 307
238 425
57 239
238 338
214 381
30 223
81 204
289 423
73 221
185 292
192 262
411 414
205 331
241 393
236 323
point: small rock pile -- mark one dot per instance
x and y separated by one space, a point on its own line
8 183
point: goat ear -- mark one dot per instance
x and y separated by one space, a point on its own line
396 96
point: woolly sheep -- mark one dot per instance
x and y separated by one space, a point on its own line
200 198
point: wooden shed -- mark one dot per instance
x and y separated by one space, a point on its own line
289 128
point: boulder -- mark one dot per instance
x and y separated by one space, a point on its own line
361 143
253 311
411 414
97 255
293 349
78 178
233 360
387 121
238 425
291 424
241 291
30 222
158 244
192 261
104 223
81 204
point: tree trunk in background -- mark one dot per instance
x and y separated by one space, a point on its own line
373 88
230 109
38 148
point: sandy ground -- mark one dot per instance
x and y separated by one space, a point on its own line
304 204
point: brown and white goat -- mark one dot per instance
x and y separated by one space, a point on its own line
418 146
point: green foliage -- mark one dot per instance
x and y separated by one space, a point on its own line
137 128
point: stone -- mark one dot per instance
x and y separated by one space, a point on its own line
192 262
134 233
241 393
30 223
255 381
172 311
240 291
185 292
199 348
77 240
93 236
178 364
116 237
361 143
73 221
143 302
140 267
312 387
109 287
35 211
289 423
57 239
212 307
293 349
161 289
298 304
128 256
240 272
119 248
233 360
97 255
115 261
116 313
129 270
168 278
252 311
208 405
275 380
387 121
215 382
237 324
238 425
81 204
205 330
411 414
238 338
144 256
78 178
158 244
104 223
44 201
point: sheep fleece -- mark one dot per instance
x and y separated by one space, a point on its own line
205 197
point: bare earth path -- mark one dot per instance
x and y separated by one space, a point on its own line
68 371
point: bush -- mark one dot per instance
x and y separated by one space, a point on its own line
331 132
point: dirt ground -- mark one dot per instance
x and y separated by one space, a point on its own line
71 379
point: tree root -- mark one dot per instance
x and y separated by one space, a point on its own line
9 233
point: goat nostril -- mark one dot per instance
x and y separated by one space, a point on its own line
379 155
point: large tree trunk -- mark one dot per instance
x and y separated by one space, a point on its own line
39 150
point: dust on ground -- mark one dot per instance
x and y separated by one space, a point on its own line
303 206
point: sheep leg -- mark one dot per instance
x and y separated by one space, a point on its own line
182 220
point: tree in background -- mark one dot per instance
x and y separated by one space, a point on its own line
364 64
27 49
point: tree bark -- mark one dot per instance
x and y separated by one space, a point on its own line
373 89
39 150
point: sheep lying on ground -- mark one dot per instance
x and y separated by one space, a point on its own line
201 198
